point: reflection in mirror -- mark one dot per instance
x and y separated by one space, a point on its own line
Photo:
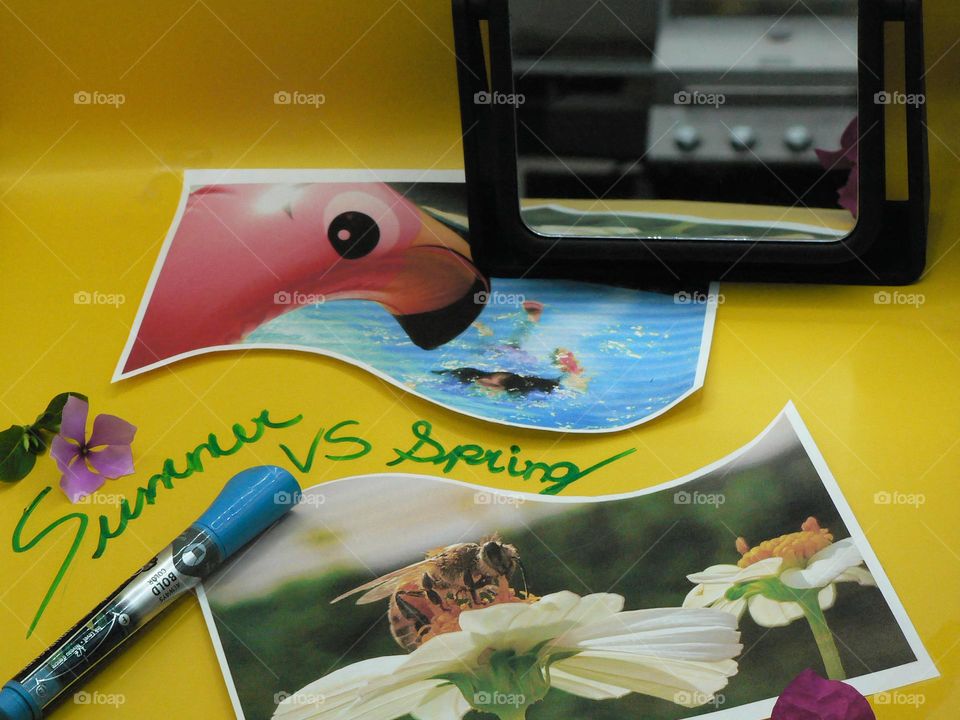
713 119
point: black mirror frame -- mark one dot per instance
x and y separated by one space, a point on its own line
886 247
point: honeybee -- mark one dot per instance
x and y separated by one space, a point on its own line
427 597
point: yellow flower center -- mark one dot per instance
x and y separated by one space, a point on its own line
795 548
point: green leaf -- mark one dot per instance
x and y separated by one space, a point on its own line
16 460
51 418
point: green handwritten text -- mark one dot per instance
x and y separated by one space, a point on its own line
339 445
145 496
556 476
331 437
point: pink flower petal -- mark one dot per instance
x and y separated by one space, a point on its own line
113 461
851 137
64 452
810 697
111 430
849 194
78 481
74 425
847 157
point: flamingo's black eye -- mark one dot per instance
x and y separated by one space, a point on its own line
353 235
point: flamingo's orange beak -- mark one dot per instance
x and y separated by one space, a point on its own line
437 291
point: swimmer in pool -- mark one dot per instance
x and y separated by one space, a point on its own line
502 381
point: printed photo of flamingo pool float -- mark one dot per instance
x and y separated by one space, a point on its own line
375 268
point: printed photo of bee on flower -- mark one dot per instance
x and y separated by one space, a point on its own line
397 596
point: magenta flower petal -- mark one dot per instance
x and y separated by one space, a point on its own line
64 452
850 138
113 461
849 194
78 481
810 697
847 157
111 430
74 424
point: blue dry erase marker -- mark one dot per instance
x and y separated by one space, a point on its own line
248 504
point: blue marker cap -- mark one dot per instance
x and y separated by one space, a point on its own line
16 703
249 503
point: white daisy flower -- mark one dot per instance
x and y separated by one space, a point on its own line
770 578
507 656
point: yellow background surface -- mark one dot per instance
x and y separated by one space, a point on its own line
88 193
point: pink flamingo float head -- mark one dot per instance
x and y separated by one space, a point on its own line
246 253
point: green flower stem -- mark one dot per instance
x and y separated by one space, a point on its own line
821 633
511 713
506 683
809 602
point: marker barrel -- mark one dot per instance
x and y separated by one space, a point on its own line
248 505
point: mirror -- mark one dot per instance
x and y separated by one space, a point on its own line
729 120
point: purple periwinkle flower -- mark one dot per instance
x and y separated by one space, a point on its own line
86 463
810 697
